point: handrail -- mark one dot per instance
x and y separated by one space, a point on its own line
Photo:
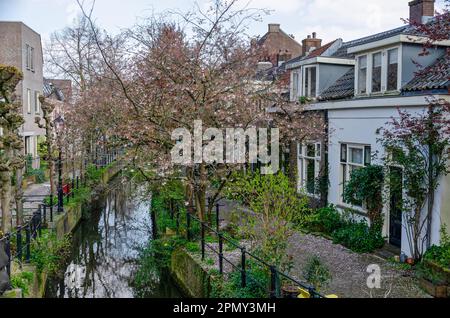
222 237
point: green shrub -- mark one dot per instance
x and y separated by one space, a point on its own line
326 220
192 247
39 175
316 273
257 283
440 254
50 254
23 281
152 260
358 237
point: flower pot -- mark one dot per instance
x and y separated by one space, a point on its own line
290 292
410 261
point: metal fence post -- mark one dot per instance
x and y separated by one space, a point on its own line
243 269
220 254
33 226
39 220
203 241
171 209
188 226
60 190
27 242
178 220
274 293
217 217
44 207
73 188
78 182
8 253
51 207
19 243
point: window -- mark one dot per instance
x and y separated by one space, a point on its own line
362 75
353 157
32 58
392 71
285 160
27 145
310 81
37 104
376 73
27 57
309 166
28 101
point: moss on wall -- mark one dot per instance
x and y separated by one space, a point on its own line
189 275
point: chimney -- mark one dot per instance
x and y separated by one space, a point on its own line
421 11
274 28
310 43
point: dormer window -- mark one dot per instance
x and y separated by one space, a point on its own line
392 71
362 74
378 72
310 81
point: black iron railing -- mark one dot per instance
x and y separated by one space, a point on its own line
242 266
18 243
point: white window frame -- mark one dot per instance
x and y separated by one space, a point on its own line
347 166
27 57
29 108
307 69
32 58
357 93
302 163
296 85
384 66
37 103
383 71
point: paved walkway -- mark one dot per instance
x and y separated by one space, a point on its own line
348 269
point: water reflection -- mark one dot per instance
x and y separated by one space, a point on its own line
106 248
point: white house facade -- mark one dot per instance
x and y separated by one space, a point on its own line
363 86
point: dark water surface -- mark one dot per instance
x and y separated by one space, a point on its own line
106 248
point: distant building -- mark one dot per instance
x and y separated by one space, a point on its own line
21 47
59 92
279 46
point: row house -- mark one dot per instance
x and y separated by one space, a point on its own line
359 86
21 47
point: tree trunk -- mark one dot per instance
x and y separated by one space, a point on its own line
430 196
19 197
5 201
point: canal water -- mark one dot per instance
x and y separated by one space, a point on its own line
106 248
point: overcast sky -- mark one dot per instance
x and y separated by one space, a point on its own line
331 19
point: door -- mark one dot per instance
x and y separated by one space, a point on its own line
395 209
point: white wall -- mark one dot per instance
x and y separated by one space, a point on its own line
359 126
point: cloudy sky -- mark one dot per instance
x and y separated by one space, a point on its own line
331 19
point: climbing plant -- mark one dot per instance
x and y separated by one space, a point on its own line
419 144
366 185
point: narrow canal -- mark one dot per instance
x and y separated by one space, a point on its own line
106 248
